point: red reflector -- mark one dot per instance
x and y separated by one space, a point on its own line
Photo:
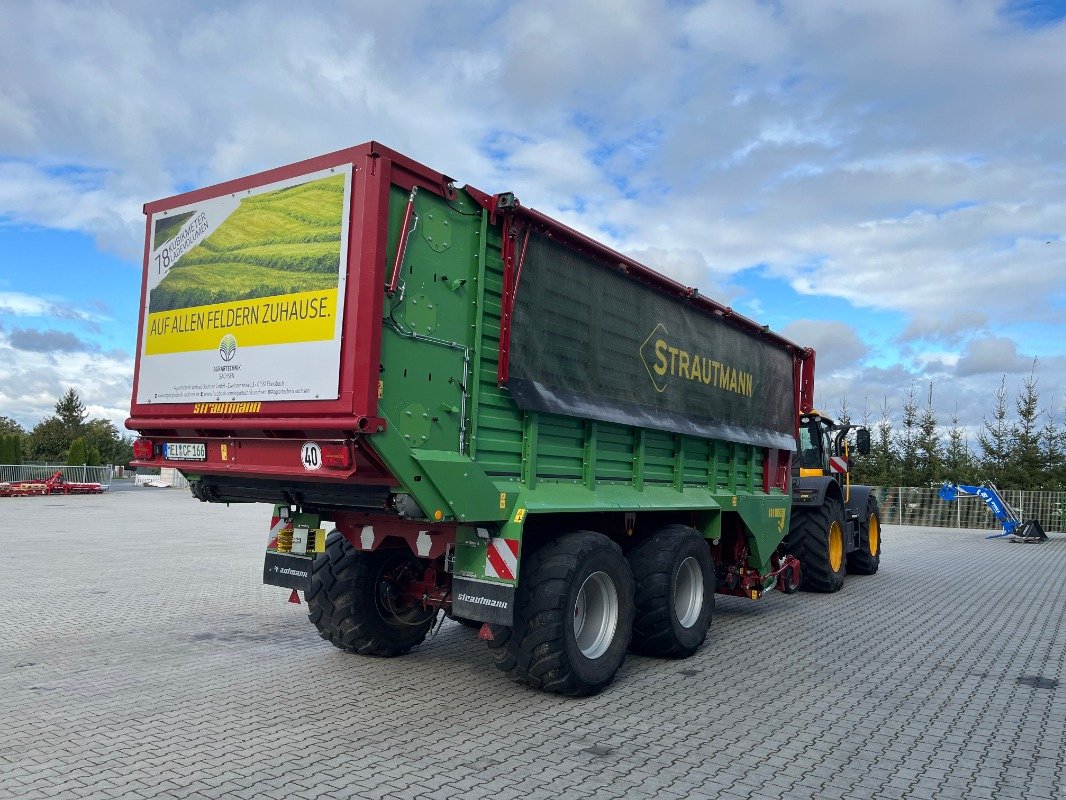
336 456
143 449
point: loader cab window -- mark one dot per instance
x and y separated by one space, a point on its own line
814 452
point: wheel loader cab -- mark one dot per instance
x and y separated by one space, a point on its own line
815 445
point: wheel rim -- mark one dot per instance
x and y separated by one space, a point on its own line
874 538
836 546
688 592
595 615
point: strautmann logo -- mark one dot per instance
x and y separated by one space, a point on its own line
227 348
667 362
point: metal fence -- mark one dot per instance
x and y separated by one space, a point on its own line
910 505
71 474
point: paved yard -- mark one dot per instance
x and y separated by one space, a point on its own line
141 657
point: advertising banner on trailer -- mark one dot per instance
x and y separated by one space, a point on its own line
245 293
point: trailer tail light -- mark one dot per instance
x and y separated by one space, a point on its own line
143 449
336 456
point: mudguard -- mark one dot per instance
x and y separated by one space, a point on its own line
811 492
857 499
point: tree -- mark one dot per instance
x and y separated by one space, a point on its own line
105 437
1025 467
1053 447
123 452
929 465
10 449
959 466
48 441
71 412
11 441
77 455
8 427
844 411
92 457
994 439
907 441
879 467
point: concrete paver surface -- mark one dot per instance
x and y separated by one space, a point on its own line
142 657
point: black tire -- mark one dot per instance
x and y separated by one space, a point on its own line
542 649
348 604
788 584
867 558
811 535
659 627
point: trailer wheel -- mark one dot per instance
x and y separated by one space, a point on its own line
573 617
673 572
352 605
867 558
816 538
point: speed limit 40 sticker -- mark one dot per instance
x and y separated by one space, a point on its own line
311 456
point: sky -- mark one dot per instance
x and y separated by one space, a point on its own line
883 181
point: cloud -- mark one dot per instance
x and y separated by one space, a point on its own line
47 341
992 356
949 328
21 304
837 345
36 379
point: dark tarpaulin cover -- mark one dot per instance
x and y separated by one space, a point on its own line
588 341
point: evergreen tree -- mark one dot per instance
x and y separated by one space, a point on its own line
879 467
7 451
77 455
15 449
1025 461
929 465
71 412
843 411
1053 448
907 441
994 439
92 457
959 464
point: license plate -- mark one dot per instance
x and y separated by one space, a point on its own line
185 451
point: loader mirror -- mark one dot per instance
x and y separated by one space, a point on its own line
862 441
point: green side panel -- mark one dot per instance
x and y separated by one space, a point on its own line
575 497
659 454
465 487
496 441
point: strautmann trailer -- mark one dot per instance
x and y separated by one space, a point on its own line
495 416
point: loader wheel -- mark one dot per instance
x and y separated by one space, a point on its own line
673 573
352 600
867 558
572 619
816 538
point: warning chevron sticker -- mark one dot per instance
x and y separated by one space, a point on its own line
277 524
501 559
837 464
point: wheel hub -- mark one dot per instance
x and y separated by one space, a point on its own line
595 615
688 592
